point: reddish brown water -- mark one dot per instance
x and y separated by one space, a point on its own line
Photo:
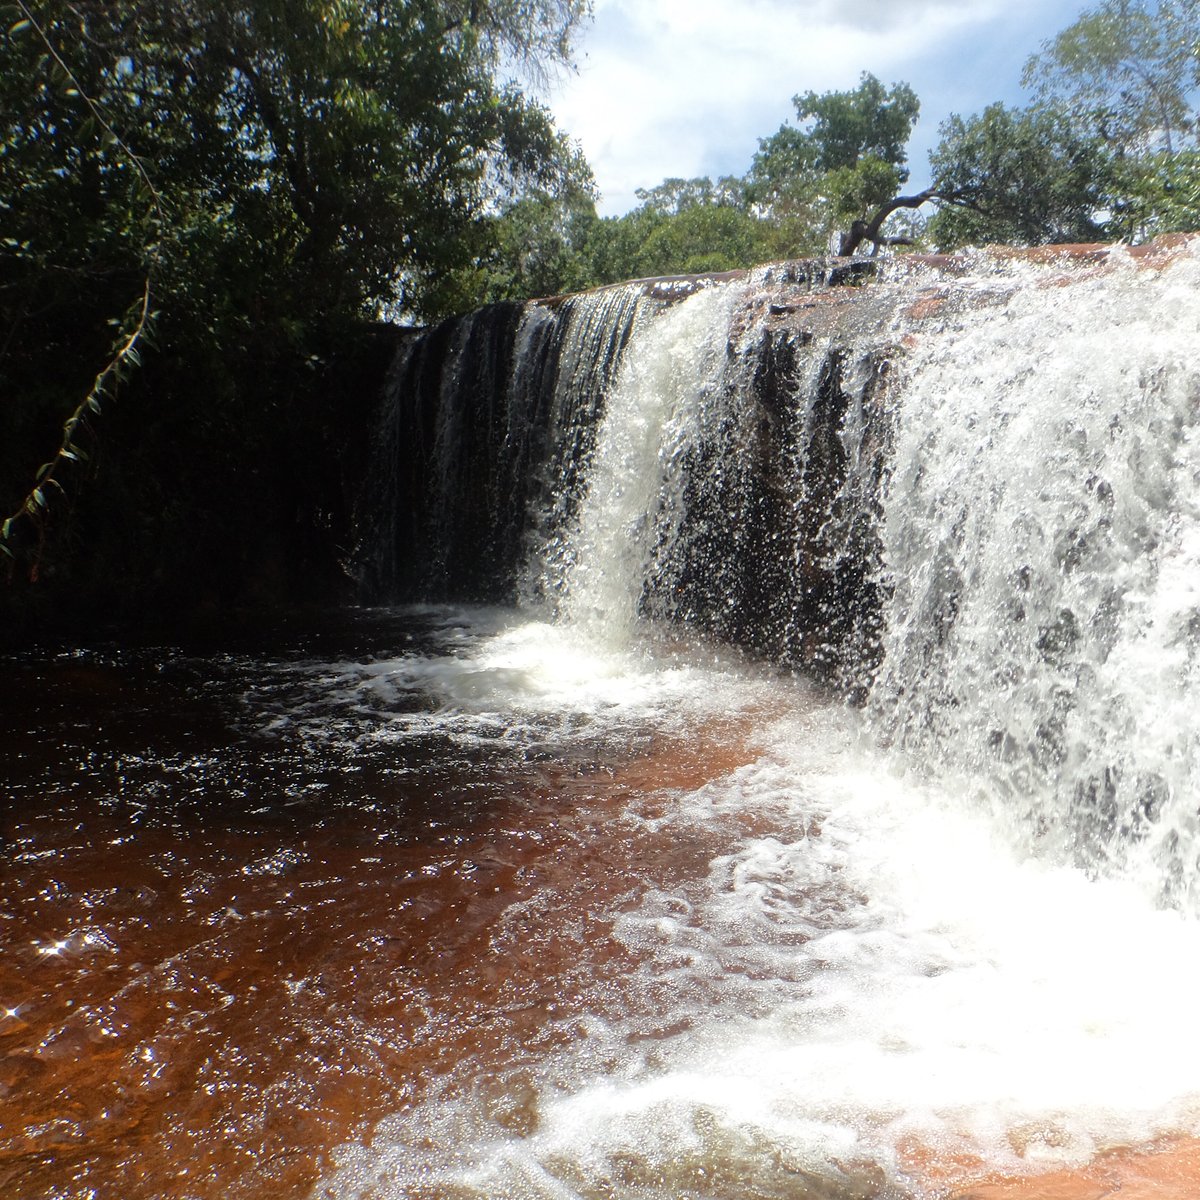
227 949
221 956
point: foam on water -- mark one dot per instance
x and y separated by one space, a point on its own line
877 970
1040 534
503 678
936 928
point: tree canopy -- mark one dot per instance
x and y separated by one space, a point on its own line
202 200
1017 176
1127 71
245 177
347 148
844 157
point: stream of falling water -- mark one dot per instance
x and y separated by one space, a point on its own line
453 903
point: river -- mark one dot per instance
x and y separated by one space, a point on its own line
572 898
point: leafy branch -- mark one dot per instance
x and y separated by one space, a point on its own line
126 353
37 501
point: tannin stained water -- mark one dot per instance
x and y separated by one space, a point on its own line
567 901
238 935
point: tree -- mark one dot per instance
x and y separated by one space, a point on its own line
701 238
1128 70
1108 148
673 196
1127 73
539 247
1155 193
682 226
844 160
871 122
270 172
1024 176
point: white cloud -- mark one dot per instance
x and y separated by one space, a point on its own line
687 87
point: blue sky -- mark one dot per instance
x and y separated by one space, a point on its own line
687 87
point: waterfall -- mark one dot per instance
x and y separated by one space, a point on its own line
967 499
902 891
1041 539
486 429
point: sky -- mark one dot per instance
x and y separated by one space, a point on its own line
680 88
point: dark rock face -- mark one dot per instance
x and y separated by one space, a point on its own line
488 424
488 433
777 548
770 541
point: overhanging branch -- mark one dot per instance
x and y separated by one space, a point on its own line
868 229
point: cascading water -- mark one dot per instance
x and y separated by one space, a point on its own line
956 924
812 815
1020 561
489 423
1041 538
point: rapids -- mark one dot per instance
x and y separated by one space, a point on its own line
602 888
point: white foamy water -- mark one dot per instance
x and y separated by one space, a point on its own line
958 923
501 678
1041 531
654 406
872 968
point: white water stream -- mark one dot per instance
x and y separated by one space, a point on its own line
961 921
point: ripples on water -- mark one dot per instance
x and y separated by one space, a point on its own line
253 905
449 904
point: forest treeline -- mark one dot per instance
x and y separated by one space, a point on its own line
1106 149
206 206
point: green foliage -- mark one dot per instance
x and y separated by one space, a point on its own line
317 157
538 247
276 171
782 180
700 238
1156 193
845 159
1126 74
870 122
1022 176
681 227
674 196
856 190
1126 70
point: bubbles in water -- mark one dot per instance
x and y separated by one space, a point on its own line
860 973
1040 540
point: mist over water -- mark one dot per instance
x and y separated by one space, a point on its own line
957 923
802 803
